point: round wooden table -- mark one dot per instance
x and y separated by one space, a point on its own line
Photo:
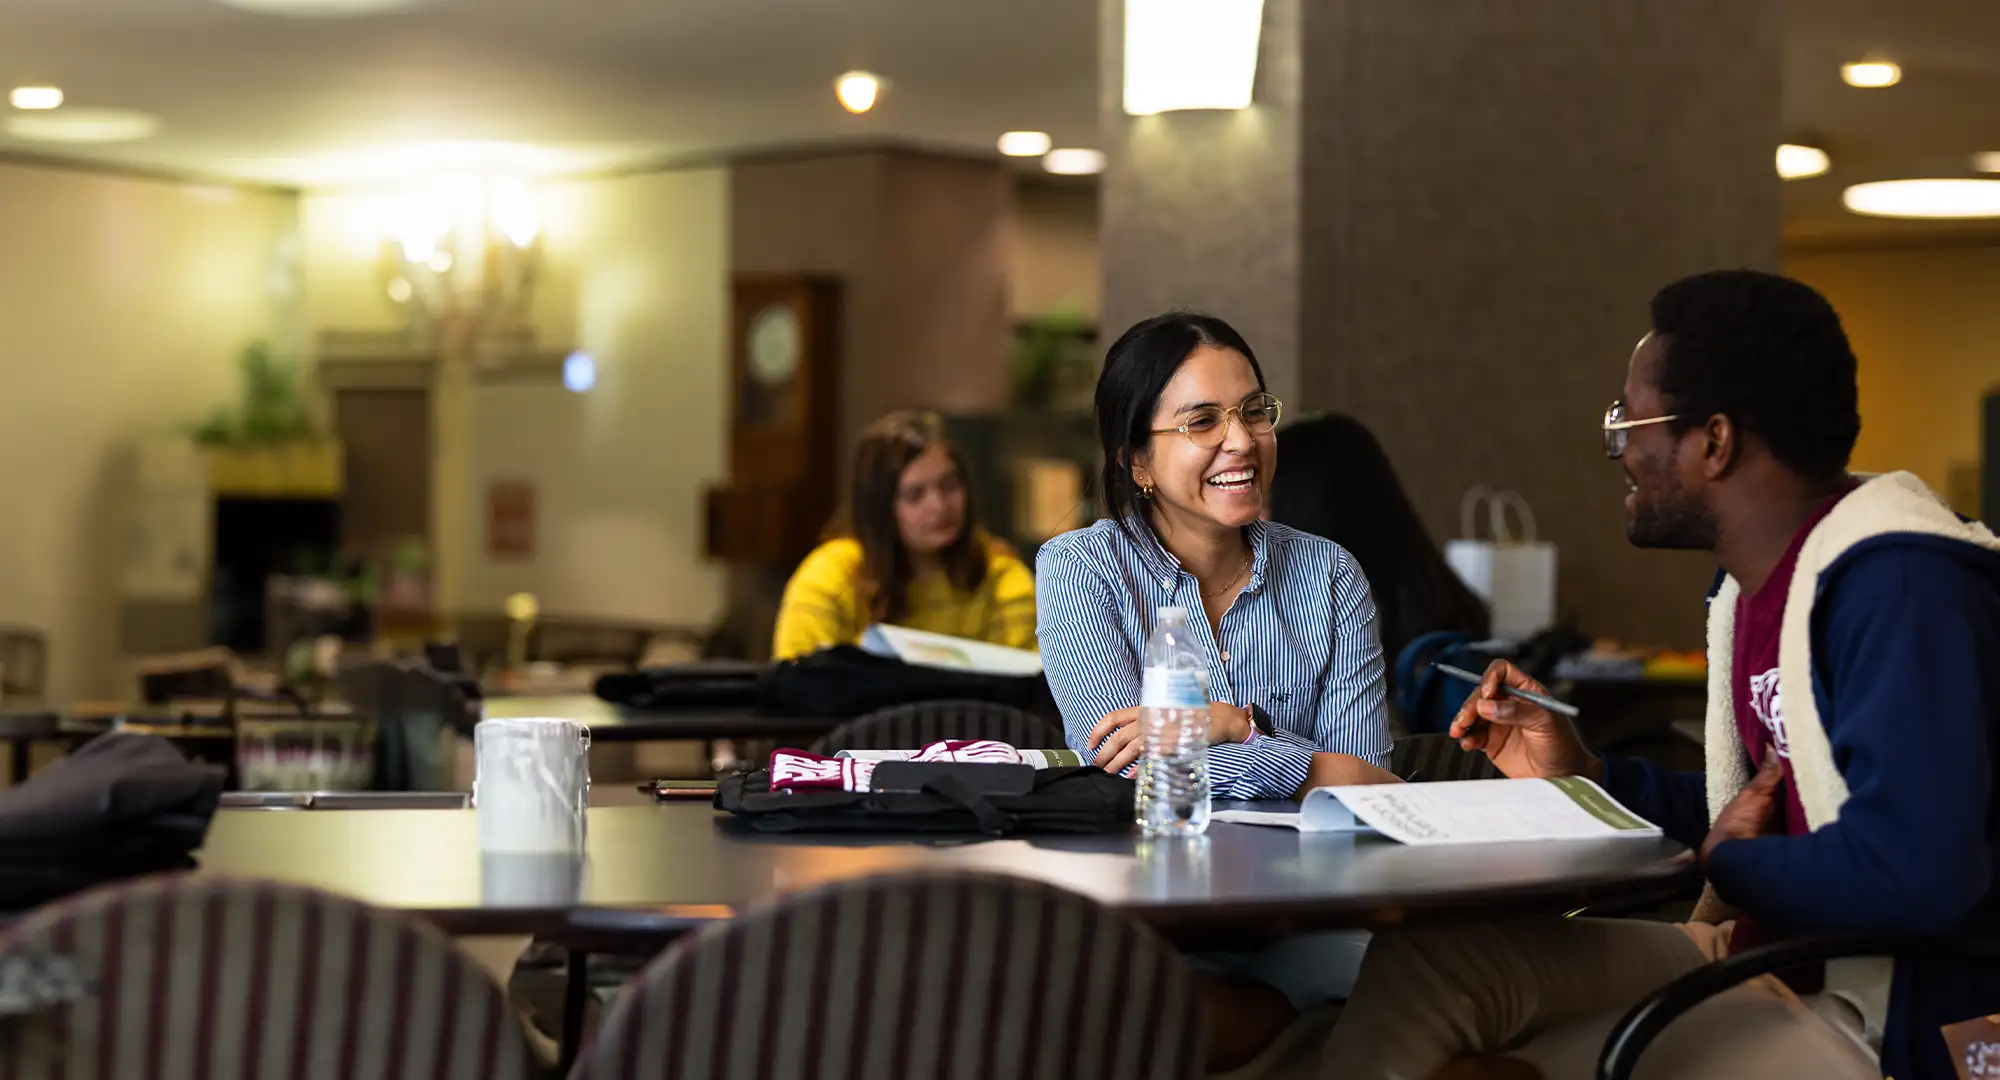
22 726
657 870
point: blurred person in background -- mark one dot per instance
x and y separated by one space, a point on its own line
1338 483
910 552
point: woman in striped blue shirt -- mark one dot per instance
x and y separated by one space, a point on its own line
1294 657
1295 662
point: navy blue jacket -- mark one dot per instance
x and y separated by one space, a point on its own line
1906 672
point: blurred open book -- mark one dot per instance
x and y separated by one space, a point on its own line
955 653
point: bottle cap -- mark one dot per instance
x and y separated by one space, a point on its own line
1171 615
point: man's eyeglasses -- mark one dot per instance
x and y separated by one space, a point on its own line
1618 430
1208 426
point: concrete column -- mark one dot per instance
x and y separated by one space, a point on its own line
1445 217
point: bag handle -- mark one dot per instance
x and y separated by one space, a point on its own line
1497 504
993 821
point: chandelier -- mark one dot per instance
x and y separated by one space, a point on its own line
459 259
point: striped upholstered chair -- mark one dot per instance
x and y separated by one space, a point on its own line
960 976
200 977
912 727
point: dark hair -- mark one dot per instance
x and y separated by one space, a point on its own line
1336 482
1137 368
1767 352
887 447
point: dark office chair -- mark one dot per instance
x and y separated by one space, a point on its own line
915 726
1629 1039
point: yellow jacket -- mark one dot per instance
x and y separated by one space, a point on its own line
824 606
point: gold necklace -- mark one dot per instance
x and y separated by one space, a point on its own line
1241 572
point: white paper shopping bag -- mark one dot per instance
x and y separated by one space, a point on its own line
1514 572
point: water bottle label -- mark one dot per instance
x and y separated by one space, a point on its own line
1171 688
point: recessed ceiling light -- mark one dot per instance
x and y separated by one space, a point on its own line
1925 198
1074 162
319 9
35 97
1190 54
1797 162
1025 143
857 91
1987 162
1871 74
84 125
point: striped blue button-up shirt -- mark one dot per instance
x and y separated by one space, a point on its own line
1300 641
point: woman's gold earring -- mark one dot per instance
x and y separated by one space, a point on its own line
1146 491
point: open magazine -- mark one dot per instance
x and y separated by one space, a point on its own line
944 651
1461 812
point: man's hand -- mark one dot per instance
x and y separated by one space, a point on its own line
1117 743
1752 813
1524 740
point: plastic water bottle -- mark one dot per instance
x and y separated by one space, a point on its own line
1173 795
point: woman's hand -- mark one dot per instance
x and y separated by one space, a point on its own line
1228 723
1117 743
1342 770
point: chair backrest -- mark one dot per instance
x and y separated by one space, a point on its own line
912 727
966 975
24 661
1439 757
418 707
204 977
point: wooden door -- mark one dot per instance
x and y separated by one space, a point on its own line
386 434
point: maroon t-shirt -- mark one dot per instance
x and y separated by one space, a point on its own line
1760 715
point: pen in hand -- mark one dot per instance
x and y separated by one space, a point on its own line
1545 701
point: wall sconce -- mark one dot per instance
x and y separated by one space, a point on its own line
460 258
1190 54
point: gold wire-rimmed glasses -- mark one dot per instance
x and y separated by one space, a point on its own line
1208 426
1618 430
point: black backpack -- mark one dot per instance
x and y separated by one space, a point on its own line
1074 800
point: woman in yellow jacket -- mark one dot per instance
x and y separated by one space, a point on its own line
912 555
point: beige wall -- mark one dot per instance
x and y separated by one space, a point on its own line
639 281
1925 324
1056 268
635 272
123 305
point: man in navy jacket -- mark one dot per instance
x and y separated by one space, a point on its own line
1854 697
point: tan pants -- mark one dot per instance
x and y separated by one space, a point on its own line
1548 992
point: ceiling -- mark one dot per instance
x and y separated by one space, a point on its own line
595 84
1946 109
